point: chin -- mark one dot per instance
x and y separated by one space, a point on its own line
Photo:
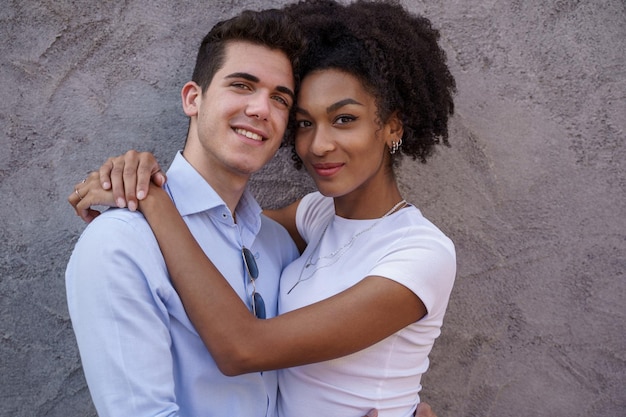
327 191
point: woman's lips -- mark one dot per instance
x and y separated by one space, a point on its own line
328 169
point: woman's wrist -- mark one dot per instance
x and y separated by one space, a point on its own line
153 200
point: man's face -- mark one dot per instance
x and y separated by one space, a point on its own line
239 122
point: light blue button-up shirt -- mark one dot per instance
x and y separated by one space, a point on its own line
140 353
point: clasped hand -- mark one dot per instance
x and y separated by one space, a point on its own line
120 182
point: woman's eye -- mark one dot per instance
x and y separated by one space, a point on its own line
344 119
303 124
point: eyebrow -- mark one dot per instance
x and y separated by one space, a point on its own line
333 106
255 79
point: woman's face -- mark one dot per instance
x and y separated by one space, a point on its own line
339 137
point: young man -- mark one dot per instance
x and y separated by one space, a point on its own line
140 353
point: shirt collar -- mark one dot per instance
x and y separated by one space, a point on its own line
192 194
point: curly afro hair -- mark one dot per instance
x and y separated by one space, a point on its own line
396 56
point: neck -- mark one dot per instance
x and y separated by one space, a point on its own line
228 185
368 204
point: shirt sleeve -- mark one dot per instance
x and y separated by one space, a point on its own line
312 215
423 260
120 321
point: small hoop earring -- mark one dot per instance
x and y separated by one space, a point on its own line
395 146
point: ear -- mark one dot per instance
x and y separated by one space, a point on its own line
393 128
191 96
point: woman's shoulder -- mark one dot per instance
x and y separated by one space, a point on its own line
316 200
314 211
314 206
416 228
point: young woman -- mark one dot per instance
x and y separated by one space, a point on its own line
362 306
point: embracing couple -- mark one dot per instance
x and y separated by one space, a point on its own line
193 302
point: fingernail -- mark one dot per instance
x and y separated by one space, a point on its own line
132 206
106 185
120 202
141 195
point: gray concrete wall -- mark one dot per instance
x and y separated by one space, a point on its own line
532 190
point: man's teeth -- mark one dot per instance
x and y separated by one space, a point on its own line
250 135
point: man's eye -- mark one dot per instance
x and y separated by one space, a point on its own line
281 100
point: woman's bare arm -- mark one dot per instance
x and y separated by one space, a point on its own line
240 343
350 321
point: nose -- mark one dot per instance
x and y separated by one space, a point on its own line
258 106
321 142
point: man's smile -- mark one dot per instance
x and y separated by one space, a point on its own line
249 135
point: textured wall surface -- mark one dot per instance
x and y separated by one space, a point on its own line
532 190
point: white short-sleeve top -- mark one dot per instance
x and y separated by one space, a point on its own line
404 247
